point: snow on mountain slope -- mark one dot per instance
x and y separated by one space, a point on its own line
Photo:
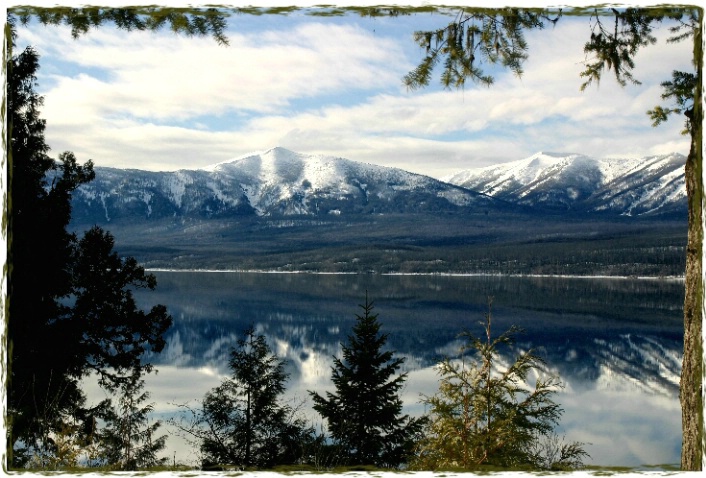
275 182
285 182
651 185
281 182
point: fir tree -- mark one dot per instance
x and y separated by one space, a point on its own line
111 332
242 421
128 441
70 306
39 248
484 414
364 415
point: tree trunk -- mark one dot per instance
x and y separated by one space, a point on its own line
692 367
248 430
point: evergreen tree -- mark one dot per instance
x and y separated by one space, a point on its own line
242 421
484 414
111 333
39 248
51 344
128 440
70 309
189 21
477 37
364 415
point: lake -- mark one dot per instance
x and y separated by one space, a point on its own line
615 343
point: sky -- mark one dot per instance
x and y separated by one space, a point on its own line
334 86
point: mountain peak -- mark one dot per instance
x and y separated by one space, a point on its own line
551 155
272 158
220 165
281 153
279 150
274 182
651 185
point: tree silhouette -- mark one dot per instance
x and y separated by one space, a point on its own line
364 415
70 307
242 421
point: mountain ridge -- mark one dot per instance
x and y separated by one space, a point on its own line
285 211
570 181
279 182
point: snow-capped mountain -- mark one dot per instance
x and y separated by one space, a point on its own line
279 182
276 182
652 185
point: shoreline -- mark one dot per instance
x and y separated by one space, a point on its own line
430 274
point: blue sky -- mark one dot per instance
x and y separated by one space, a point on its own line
334 86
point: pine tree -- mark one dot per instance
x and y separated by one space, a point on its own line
111 332
364 415
48 351
50 345
70 305
484 414
128 441
39 273
242 421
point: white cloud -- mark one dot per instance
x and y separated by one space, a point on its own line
152 100
168 77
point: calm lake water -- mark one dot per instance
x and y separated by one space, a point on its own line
616 343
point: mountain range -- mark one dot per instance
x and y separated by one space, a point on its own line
286 211
280 182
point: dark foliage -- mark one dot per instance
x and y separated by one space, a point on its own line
39 273
477 37
114 332
242 422
190 21
364 415
70 306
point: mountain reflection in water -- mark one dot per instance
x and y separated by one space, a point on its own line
616 343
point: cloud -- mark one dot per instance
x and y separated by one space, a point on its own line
159 101
612 425
143 145
163 77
